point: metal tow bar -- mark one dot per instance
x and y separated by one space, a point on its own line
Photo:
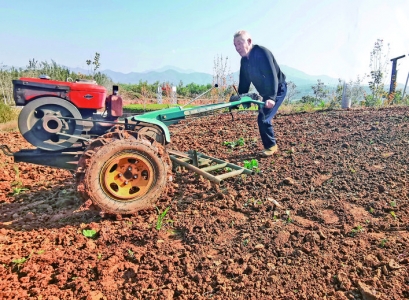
203 165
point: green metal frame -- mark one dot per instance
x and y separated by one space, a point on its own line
165 117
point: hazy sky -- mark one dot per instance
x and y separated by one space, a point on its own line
331 37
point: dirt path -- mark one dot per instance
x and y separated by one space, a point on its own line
341 178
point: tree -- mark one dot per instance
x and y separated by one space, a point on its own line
320 91
378 64
223 77
291 92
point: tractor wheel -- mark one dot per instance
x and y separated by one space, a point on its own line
123 175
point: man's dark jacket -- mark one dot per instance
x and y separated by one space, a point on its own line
261 69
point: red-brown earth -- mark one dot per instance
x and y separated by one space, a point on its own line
341 178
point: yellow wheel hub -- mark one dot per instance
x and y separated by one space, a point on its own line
127 175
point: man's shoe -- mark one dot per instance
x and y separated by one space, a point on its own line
270 151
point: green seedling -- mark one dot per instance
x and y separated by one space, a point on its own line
227 169
19 261
39 252
89 233
352 170
371 210
99 256
393 214
383 243
232 224
239 142
356 230
252 165
393 203
130 253
288 213
18 191
245 242
161 216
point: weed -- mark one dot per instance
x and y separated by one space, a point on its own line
393 214
227 169
371 142
383 243
245 242
371 210
89 233
99 256
161 216
393 203
352 170
231 224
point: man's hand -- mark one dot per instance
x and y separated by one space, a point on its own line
270 104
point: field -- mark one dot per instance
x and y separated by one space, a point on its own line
339 231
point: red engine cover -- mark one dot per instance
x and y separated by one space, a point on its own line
83 94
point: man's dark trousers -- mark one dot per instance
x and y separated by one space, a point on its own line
266 115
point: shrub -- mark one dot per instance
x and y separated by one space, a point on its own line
7 113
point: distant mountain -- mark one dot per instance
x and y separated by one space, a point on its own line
174 75
165 68
171 76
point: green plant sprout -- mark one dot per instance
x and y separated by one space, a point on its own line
239 142
159 222
19 261
245 242
393 214
356 230
393 203
252 165
288 213
89 233
99 256
383 243
18 191
130 253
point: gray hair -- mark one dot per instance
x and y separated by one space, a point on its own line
243 34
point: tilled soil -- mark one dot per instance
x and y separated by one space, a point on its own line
339 231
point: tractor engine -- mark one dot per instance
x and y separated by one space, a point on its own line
58 115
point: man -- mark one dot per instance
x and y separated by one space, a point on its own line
258 66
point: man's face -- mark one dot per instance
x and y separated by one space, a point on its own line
243 46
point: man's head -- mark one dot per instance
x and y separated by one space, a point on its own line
243 43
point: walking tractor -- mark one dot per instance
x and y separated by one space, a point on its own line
121 162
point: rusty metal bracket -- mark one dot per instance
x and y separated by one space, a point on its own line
203 165
6 150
